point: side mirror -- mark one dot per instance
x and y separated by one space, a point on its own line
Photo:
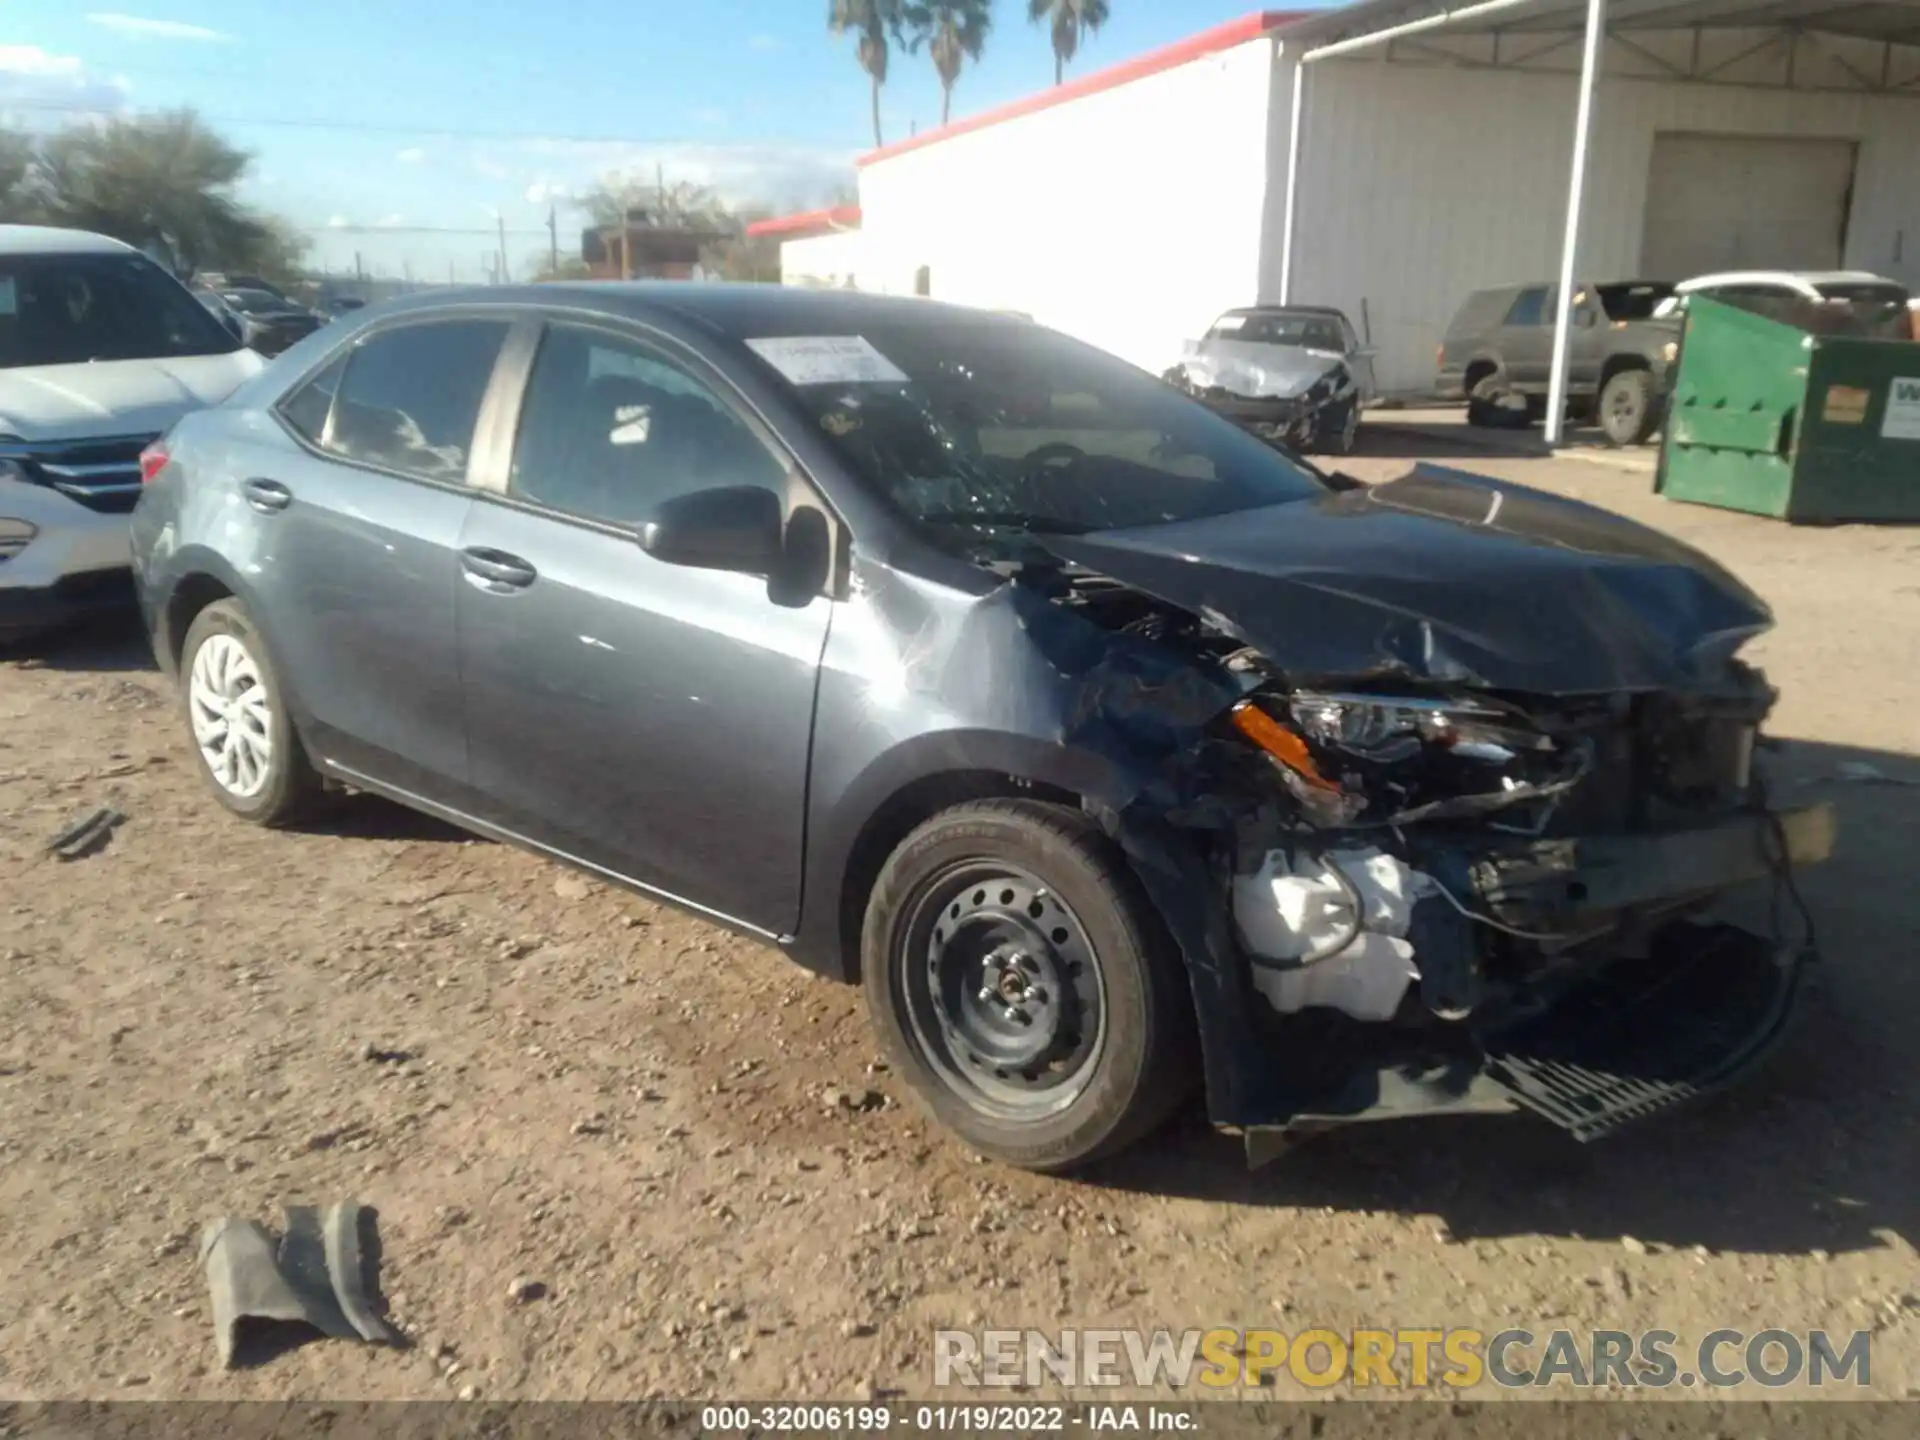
735 528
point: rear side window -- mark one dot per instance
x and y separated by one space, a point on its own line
1529 308
308 408
410 397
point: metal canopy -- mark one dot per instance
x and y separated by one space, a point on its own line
1894 21
1520 34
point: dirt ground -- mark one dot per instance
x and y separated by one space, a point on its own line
631 1108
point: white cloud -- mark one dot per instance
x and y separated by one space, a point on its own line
142 27
739 173
337 222
389 222
39 87
547 192
710 116
762 42
412 155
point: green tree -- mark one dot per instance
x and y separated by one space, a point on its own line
954 31
1070 21
16 163
164 183
874 24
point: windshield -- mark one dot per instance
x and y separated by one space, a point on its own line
986 424
1281 327
71 309
1632 302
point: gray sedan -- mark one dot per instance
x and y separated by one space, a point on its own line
1109 749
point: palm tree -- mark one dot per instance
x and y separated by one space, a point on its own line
954 32
1069 20
874 22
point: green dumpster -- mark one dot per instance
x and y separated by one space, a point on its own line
1774 420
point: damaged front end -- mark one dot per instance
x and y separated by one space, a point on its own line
1297 398
1424 886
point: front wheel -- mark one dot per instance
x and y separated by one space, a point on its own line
1339 432
1025 987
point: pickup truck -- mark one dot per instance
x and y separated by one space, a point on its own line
1498 353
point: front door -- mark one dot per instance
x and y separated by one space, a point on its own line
361 523
652 720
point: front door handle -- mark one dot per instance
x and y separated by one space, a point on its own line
496 570
267 496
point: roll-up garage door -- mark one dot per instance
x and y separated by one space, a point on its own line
1745 202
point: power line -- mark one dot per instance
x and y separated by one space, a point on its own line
366 127
416 230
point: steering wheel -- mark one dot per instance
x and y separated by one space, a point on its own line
1055 453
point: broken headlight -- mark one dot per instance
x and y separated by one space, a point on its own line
1383 759
1383 729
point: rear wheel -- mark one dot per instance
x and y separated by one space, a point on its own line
1025 987
243 738
1626 407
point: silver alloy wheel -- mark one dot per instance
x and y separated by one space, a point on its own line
232 716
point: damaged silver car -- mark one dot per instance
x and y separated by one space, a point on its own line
1110 749
1295 375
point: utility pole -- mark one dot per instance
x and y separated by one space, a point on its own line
359 270
553 240
502 218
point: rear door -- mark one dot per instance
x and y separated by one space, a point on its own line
652 720
1526 338
364 506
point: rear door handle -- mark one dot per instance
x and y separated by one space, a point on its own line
496 570
266 496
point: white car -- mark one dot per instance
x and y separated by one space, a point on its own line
101 350
1829 302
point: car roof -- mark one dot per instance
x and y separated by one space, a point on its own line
737 311
1329 311
1803 282
52 240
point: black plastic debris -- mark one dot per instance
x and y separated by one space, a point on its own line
315 1275
87 835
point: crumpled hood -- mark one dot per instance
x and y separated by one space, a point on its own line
1447 578
1245 367
116 397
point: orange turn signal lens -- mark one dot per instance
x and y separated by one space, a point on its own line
1279 742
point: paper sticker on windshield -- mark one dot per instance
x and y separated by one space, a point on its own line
1230 322
827 360
9 296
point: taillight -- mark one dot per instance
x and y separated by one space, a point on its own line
153 460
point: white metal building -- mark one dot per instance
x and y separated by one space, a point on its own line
1392 155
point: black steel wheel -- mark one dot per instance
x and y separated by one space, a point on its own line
1024 986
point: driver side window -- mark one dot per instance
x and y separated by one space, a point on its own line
611 426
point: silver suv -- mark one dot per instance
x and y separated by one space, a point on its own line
101 350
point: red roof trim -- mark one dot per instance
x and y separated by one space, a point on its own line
808 222
1207 42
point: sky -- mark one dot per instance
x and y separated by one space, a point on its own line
405 131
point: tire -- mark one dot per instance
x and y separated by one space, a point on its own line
1492 406
1107 1053
1345 435
1626 410
224 662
